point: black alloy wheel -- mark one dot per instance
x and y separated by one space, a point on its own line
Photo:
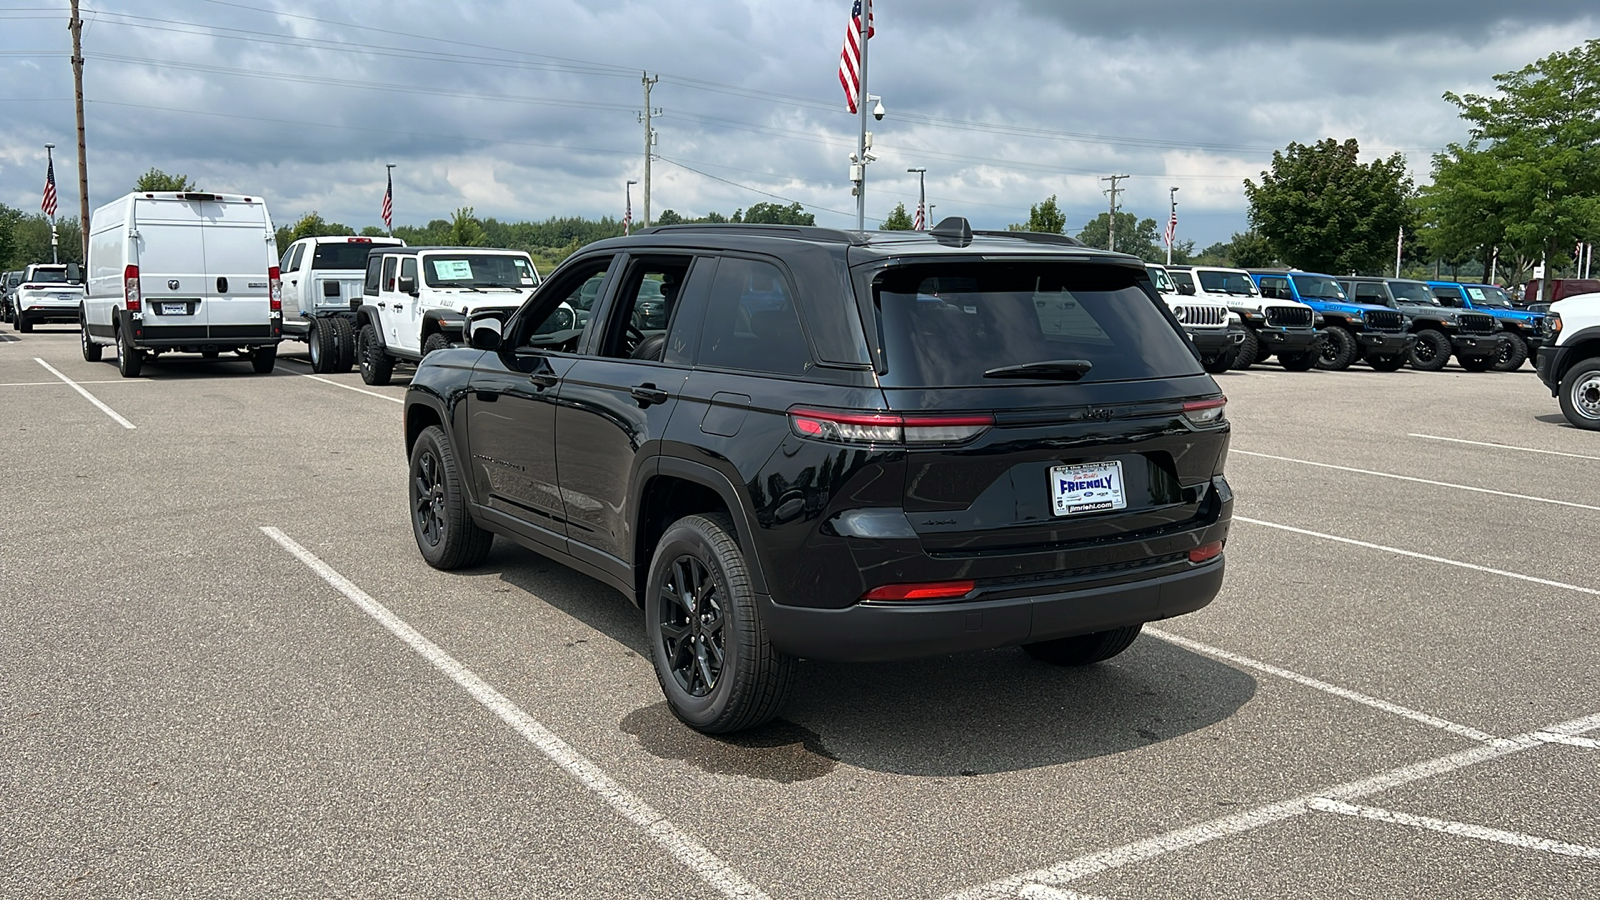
1431 352
690 607
427 498
376 365
1513 353
447 537
1338 350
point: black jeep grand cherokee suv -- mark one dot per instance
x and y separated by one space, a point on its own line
836 445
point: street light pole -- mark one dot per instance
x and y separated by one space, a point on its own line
922 196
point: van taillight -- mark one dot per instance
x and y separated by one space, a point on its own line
274 290
886 428
132 299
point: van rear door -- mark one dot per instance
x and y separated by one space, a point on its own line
170 254
237 259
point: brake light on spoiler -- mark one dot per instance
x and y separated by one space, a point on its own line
843 427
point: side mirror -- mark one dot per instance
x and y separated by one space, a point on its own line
74 273
484 333
407 285
1186 290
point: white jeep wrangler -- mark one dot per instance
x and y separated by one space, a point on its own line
1569 359
416 300
1204 321
1287 328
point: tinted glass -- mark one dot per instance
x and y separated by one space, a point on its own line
946 325
1226 283
1318 287
478 270
49 276
1412 292
341 256
561 325
388 273
1275 288
751 323
1182 278
645 303
371 284
1371 293
408 268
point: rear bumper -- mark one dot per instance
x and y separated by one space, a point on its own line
883 631
1376 343
1475 346
41 313
211 337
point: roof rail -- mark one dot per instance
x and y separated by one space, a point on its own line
808 232
1035 237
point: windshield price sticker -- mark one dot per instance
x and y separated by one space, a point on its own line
1088 488
452 269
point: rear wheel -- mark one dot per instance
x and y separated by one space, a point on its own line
445 532
1339 349
344 332
1387 363
129 360
1513 353
262 359
1218 364
1431 352
1298 362
91 350
376 365
1580 394
1083 649
22 323
1246 357
1476 363
321 343
712 656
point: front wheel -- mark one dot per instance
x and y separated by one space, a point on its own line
1431 352
1513 353
710 648
376 365
446 535
1083 649
1339 349
1580 394
1298 362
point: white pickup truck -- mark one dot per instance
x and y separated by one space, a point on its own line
47 293
322 279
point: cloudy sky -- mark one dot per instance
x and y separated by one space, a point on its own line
528 109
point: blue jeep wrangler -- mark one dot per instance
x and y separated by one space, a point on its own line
1522 333
1354 331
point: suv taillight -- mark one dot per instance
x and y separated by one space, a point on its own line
274 290
132 299
1205 413
886 428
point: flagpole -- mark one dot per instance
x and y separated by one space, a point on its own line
389 194
865 28
50 176
1172 221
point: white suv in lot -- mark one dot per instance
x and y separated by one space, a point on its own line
1569 359
416 300
1204 321
46 293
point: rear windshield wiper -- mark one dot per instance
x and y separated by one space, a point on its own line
1063 369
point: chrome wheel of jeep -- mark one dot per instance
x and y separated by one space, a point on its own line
690 610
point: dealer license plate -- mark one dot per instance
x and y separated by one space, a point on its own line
174 309
1088 488
65 296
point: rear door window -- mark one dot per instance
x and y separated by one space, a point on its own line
751 323
945 325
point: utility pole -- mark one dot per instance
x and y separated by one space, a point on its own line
649 140
1111 221
75 25
1172 221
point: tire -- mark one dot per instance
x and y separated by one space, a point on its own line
22 323
1298 362
1339 349
1083 649
1246 357
376 365
322 344
129 360
1218 364
435 341
698 598
1431 352
1513 353
91 350
446 535
1476 363
344 332
262 359
1387 363
1580 394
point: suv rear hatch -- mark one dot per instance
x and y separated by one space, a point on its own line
1114 430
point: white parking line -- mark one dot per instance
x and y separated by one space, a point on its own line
58 384
686 849
87 396
1414 555
1194 835
1446 484
348 387
1041 892
1459 829
1434 437
1569 740
1420 718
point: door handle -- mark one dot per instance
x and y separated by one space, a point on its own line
544 379
647 394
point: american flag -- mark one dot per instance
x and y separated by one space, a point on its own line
48 204
388 203
850 56
920 221
1172 227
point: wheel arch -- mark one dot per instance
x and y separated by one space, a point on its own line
368 315
675 488
1586 347
420 414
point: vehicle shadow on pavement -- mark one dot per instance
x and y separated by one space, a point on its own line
961 714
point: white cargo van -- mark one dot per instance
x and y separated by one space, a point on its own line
183 272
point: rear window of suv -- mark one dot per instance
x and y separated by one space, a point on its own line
944 325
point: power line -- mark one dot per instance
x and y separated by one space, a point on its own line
746 187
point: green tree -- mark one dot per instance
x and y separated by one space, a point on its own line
1528 178
1251 250
29 237
8 238
157 180
1320 208
669 217
373 231
464 230
1045 218
309 225
773 214
898 219
1134 235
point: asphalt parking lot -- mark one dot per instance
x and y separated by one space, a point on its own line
225 671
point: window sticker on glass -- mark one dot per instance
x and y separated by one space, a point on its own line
1061 315
525 271
452 269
